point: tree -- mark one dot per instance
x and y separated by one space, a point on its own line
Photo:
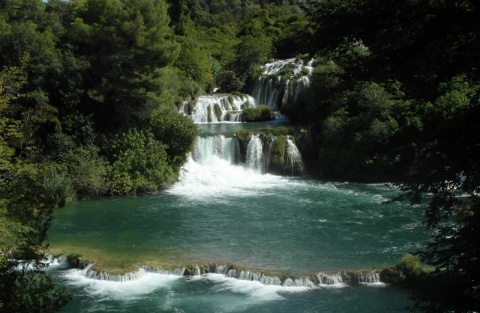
429 49
448 169
177 132
25 216
126 43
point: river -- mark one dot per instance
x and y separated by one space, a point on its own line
224 213
231 237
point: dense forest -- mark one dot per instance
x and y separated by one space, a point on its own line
90 91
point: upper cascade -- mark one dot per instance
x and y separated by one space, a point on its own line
281 82
214 108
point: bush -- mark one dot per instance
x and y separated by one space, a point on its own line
243 134
140 163
87 171
191 89
406 272
278 131
177 132
57 187
258 114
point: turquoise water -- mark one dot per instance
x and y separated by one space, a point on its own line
225 213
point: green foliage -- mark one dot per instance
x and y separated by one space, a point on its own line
278 131
251 51
408 271
218 111
26 195
195 64
278 150
257 114
387 105
125 43
87 171
58 188
243 134
177 132
139 163
229 81
191 89
32 291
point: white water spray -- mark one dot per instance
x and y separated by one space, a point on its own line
220 108
254 158
294 157
281 82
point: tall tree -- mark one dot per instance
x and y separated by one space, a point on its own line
126 42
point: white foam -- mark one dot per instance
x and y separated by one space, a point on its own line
255 290
127 290
375 284
219 178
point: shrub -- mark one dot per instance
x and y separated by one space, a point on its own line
177 132
406 272
140 163
87 171
258 114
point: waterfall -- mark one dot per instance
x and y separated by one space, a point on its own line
281 82
254 157
90 273
325 279
294 158
219 146
220 108
258 156
321 279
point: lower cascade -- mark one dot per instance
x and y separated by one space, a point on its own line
225 148
255 158
320 279
277 155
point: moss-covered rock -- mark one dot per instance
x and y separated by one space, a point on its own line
75 260
259 114
277 154
243 136
218 111
408 271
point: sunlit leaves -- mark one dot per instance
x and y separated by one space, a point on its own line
139 163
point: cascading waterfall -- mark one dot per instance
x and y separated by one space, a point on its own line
220 108
254 159
258 155
225 148
321 279
294 158
281 82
